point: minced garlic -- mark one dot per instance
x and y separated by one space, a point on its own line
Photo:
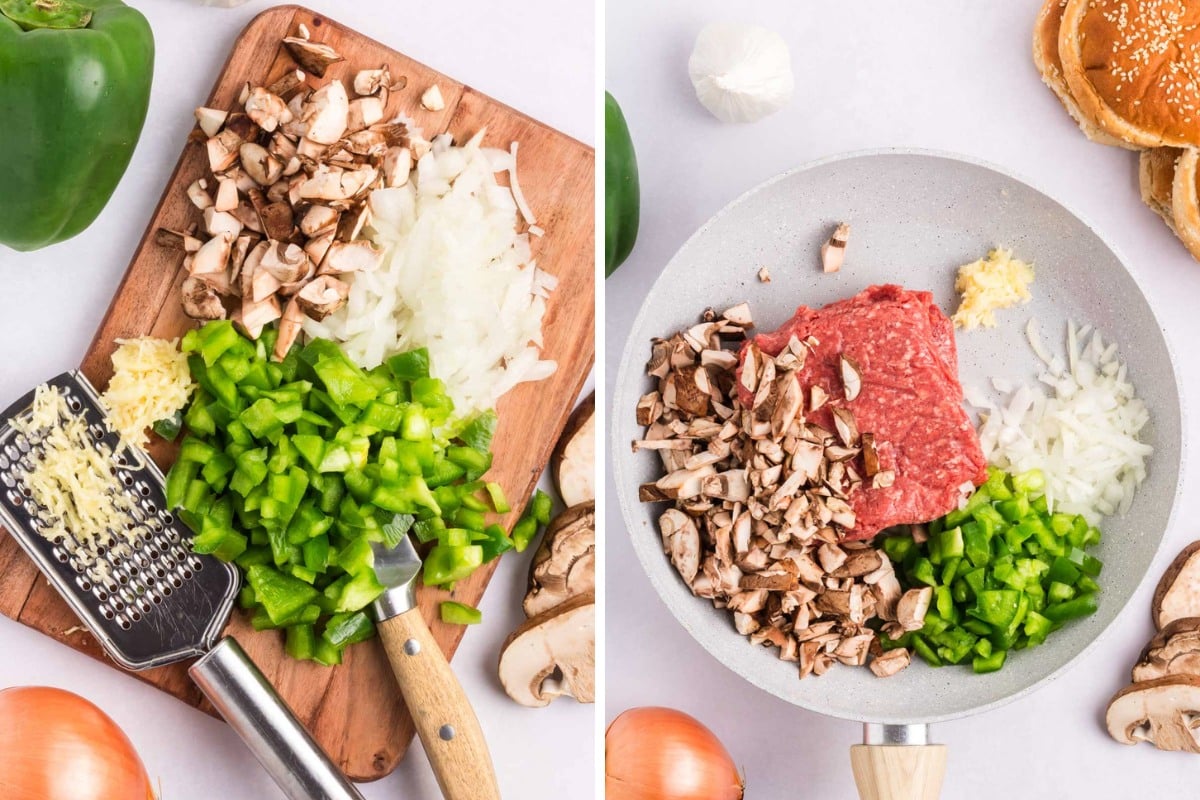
988 285
150 381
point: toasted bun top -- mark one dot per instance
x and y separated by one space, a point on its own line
1143 59
1045 39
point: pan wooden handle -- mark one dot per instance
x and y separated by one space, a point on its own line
445 721
898 772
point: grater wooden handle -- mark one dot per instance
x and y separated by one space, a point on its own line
444 718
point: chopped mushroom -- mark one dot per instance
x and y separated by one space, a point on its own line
198 194
364 112
552 654
289 329
325 113
833 252
372 81
322 296
201 300
312 57
343 257
210 120
223 150
432 99
564 565
1162 711
266 109
252 317
286 262
889 663
910 611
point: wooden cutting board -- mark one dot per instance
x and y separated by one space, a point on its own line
355 710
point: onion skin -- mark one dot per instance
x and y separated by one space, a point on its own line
54 745
655 753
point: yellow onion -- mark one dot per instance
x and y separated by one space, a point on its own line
663 754
55 745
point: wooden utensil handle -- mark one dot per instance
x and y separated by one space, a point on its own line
445 721
898 772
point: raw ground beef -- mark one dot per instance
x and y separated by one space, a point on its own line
911 399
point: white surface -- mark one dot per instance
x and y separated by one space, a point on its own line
949 75
64 291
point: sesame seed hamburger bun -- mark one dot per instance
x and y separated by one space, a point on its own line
1156 177
1185 202
1129 65
1045 57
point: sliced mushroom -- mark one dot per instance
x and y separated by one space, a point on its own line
322 296
1163 712
1178 592
1175 650
573 462
552 654
267 110
201 300
343 257
289 329
312 57
564 565
325 113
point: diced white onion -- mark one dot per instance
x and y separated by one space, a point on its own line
456 278
1078 425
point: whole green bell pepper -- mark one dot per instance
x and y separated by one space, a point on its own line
621 194
74 87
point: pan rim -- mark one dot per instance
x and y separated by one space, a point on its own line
627 363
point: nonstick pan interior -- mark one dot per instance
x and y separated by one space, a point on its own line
915 217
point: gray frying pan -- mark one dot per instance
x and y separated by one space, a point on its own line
915 217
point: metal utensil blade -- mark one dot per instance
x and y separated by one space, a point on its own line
397 569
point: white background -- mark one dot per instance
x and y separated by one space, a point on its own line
541 61
875 73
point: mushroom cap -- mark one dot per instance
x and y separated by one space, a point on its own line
1163 712
1178 592
552 654
574 458
564 565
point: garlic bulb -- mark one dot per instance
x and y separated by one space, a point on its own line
741 73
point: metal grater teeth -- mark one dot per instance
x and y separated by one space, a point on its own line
156 601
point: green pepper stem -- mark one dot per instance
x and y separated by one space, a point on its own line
46 14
